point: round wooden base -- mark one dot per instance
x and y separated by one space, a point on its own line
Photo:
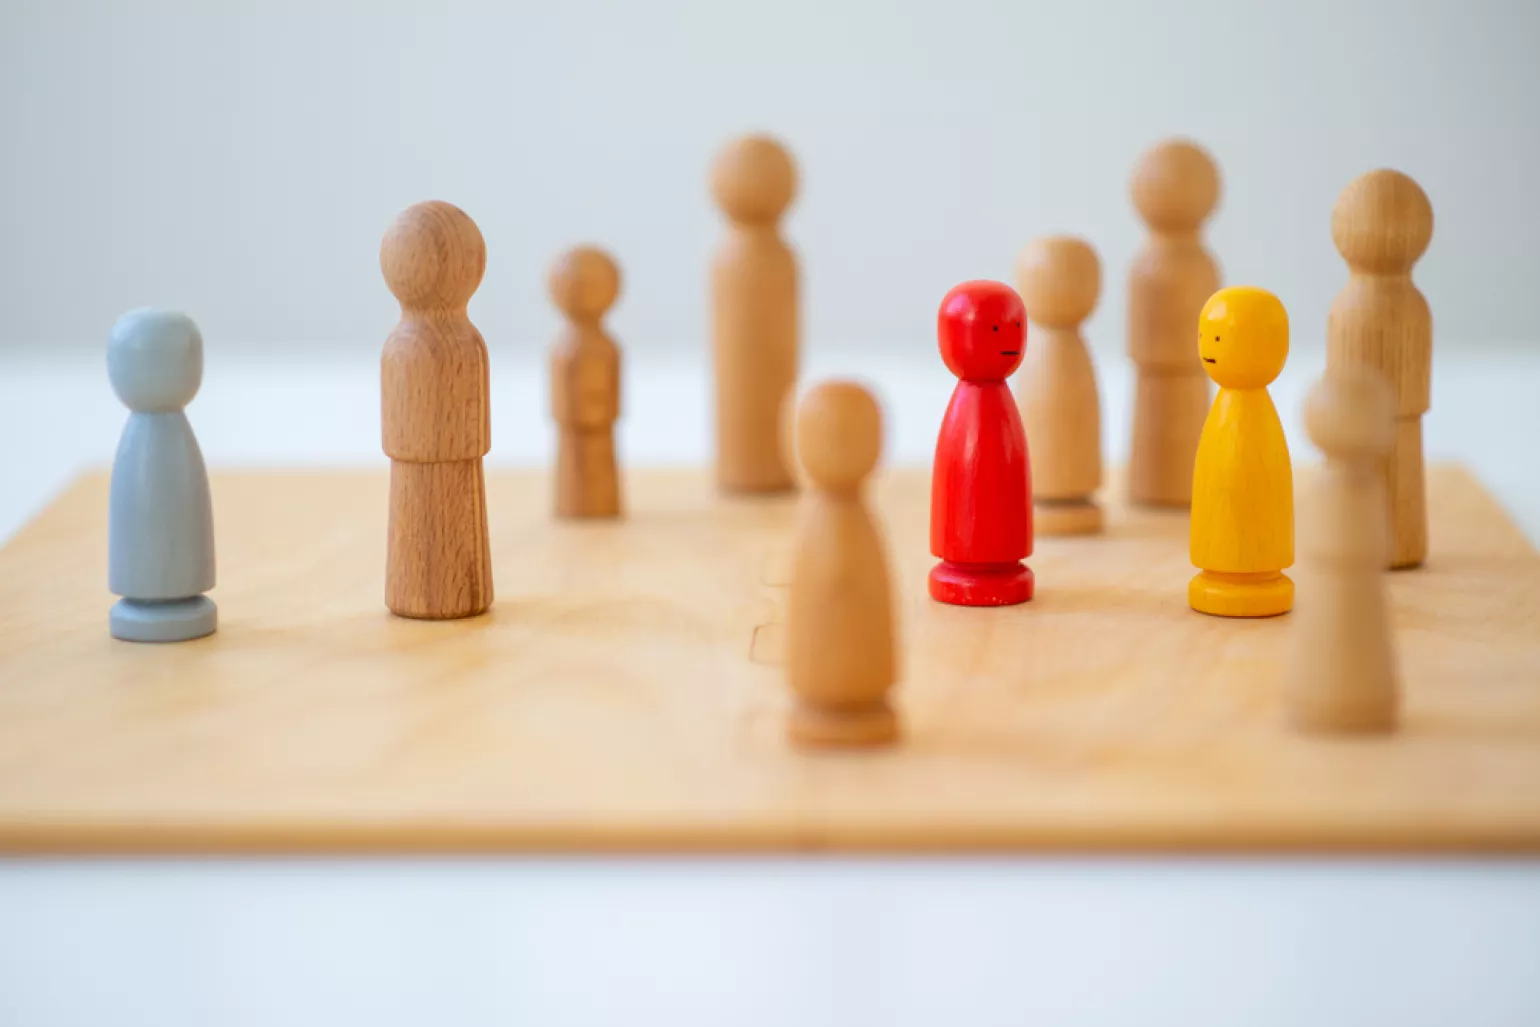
1067 517
827 727
981 584
1241 595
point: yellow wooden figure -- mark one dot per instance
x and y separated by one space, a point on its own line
1243 485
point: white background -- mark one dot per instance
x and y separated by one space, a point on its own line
241 159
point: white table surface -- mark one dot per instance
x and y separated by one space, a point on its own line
742 941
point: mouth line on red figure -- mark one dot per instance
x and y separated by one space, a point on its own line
1010 353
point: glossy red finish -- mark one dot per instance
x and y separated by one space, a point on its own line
981 485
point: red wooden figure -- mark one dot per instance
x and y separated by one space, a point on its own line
981 487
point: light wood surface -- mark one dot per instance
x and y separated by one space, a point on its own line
1382 225
435 417
1175 189
841 655
585 385
1342 666
608 702
754 309
1059 278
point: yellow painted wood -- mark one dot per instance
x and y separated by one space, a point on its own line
609 702
1242 532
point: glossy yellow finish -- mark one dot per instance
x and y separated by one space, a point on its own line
1242 533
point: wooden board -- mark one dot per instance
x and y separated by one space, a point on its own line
622 694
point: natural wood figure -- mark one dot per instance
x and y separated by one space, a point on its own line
1342 673
1059 279
1382 225
754 288
1175 188
434 414
585 386
841 658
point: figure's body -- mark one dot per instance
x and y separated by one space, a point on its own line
161 521
841 659
1175 189
435 418
1242 529
1059 279
1382 225
981 485
754 298
585 386
1342 673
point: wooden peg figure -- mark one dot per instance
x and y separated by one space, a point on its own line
1175 189
585 386
1059 279
435 417
841 659
1382 225
1242 525
754 296
1342 674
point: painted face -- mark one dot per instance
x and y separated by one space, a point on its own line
1243 337
982 330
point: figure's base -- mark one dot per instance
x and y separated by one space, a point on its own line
1066 517
1241 595
165 620
981 584
848 728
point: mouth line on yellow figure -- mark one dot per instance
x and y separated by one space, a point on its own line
1210 360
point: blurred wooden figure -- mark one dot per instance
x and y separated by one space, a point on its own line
1382 224
841 658
1342 672
1060 279
435 417
754 298
585 386
1175 189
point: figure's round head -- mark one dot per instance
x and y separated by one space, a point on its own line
155 360
433 256
1350 414
1243 337
584 283
1382 222
839 435
1175 186
982 328
1060 279
754 179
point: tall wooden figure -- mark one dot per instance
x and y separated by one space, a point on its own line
585 386
754 289
1175 189
841 659
1382 225
1059 279
981 483
1243 483
435 417
1342 667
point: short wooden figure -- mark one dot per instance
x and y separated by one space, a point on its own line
160 534
1342 674
585 386
1382 225
981 482
1242 530
1059 279
1175 189
435 417
841 658
754 299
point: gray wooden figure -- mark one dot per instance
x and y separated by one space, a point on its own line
160 536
